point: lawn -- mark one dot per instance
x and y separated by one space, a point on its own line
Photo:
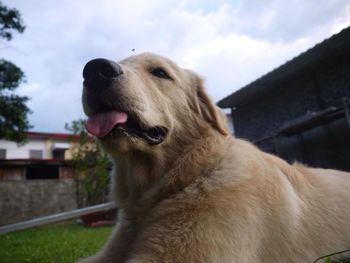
60 243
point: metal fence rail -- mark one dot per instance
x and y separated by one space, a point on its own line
56 217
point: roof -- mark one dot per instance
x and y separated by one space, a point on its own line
45 135
337 45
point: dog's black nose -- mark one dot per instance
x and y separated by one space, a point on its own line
100 72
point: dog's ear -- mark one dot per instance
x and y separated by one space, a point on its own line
208 110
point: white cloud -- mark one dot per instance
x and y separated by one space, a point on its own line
27 89
230 43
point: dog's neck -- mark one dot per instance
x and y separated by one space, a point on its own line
143 179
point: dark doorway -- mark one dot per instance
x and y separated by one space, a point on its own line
42 171
58 154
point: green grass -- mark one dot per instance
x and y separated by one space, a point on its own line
61 243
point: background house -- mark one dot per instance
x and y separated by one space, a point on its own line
43 156
301 110
36 177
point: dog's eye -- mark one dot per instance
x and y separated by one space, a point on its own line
160 73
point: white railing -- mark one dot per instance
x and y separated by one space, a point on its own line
56 217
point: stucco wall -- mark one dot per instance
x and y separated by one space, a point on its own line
14 151
24 200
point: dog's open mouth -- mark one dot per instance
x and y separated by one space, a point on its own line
111 123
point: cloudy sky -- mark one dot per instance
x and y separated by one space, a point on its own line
230 43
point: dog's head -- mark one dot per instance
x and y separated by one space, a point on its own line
145 101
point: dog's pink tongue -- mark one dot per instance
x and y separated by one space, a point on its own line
100 124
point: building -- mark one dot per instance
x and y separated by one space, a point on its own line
43 156
229 122
36 177
300 110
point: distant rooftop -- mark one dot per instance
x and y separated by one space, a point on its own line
337 45
44 135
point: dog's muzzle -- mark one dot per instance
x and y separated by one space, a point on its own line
110 122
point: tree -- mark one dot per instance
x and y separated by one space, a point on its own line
91 167
13 110
10 19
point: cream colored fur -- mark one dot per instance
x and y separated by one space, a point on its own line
205 196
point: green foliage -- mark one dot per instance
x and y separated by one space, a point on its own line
10 19
60 243
338 257
90 162
13 109
10 75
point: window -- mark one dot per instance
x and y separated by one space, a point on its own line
2 153
35 154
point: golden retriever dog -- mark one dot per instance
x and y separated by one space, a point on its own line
190 192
